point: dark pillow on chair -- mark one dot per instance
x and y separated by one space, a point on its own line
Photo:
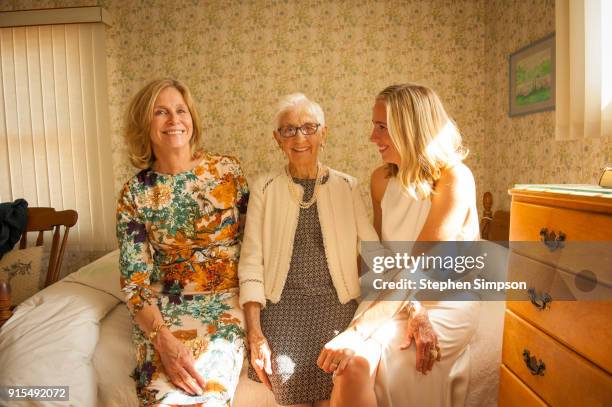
13 221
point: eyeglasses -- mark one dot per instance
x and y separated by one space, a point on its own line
307 129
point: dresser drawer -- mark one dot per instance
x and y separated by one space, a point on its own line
527 220
566 379
587 238
584 326
558 283
513 392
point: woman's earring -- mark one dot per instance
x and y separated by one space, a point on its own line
322 154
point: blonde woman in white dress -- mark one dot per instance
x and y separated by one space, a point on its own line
423 192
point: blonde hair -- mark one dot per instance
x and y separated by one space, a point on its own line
138 121
425 137
297 101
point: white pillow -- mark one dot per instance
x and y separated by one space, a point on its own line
102 274
23 269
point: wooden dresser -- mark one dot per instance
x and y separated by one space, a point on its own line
557 352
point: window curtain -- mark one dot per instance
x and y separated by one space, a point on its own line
583 69
54 126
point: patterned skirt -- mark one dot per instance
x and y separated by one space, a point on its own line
212 327
297 328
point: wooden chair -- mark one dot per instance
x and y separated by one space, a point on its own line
494 226
42 220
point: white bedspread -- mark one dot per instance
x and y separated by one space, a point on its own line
51 339
77 333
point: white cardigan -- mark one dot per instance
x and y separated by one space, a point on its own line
272 218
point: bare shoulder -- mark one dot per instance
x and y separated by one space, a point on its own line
458 177
380 174
378 182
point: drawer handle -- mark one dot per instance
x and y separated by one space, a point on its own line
539 301
551 239
535 367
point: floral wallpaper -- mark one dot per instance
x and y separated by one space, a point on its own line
240 57
523 150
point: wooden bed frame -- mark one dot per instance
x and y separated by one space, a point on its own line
494 226
42 220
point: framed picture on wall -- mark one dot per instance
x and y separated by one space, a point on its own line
532 77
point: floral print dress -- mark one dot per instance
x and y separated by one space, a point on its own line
179 239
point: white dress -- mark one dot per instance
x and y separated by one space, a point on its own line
398 383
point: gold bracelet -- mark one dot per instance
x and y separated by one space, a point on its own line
156 328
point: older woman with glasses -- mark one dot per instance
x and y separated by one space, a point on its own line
298 265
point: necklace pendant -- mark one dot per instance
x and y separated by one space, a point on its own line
294 190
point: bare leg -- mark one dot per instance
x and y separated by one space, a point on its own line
355 385
321 403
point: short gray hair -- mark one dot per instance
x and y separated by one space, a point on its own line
298 101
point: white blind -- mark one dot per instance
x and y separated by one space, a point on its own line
583 68
54 125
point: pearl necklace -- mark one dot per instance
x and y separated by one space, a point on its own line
294 190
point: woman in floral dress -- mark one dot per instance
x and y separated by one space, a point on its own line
179 226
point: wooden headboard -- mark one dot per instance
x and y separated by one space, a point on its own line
494 226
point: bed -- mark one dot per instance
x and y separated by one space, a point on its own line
77 331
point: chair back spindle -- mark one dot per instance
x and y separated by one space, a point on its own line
42 220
